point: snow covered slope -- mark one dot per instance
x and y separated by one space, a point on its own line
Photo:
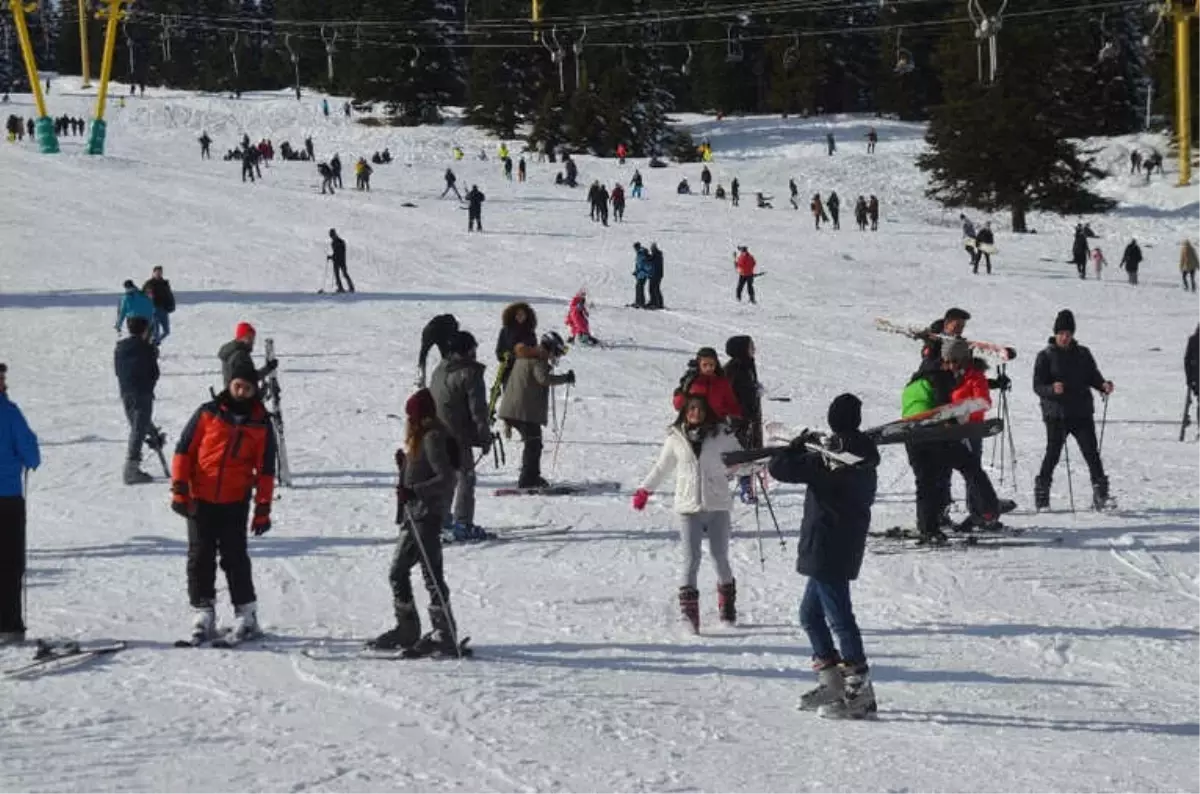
1063 668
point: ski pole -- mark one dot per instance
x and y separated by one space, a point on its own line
1070 488
24 581
762 481
559 431
412 527
1103 422
1012 445
762 556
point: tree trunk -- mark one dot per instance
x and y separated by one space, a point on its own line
1018 216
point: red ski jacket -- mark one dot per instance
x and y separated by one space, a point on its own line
717 391
973 384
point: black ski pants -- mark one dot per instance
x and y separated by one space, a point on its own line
219 529
12 562
1083 428
932 464
746 283
339 270
420 543
531 454
1189 275
639 293
984 256
474 221
656 298
450 186
139 409
834 216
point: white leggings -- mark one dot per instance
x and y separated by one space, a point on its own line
692 527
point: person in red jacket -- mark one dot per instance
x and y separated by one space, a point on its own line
226 452
973 384
705 378
744 263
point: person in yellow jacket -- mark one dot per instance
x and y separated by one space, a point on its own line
1188 264
362 175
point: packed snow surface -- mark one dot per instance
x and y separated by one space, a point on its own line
1067 667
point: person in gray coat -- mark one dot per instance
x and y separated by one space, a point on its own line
526 404
136 363
460 396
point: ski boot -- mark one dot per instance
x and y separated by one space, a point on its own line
689 606
245 622
727 602
133 474
434 643
12 637
465 532
1100 498
933 538
858 697
829 688
1041 494
405 634
746 490
204 624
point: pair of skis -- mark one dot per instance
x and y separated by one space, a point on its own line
988 350
283 471
49 654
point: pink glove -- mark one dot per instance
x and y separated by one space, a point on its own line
640 497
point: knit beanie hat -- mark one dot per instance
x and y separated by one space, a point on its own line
137 325
129 284
1065 321
957 351
845 413
242 330
243 369
420 406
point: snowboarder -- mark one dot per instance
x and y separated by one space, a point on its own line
227 450
427 478
461 398
159 290
135 361
1131 260
693 449
656 277
984 241
1063 376
438 332
1188 264
744 263
134 303
578 321
451 181
734 191
705 377
834 205
338 257
326 178
526 404
475 199
705 181
205 143
833 539
18 453
742 374
642 270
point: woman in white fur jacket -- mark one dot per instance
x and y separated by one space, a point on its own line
702 499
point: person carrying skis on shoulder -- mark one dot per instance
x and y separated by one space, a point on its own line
136 363
19 453
973 384
461 398
427 464
237 352
438 332
526 404
1064 375
742 374
693 449
705 377
133 304
226 452
833 539
577 321
745 263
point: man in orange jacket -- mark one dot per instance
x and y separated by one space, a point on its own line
744 263
226 452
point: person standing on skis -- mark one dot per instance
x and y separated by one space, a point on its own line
742 373
526 404
745 263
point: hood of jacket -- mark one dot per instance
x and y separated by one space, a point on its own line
738 347
508 318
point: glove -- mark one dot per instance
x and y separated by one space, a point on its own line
401 459
805 438
640 497
570 377
271 365
261 523
1001 382
181 502
404 494
486 446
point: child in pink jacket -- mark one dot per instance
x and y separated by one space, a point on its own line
577 320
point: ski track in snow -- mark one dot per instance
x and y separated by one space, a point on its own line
1063 668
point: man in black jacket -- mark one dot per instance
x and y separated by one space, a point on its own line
743 379
833 539
1063 377
1131 260
1191 362
438 332
338 257
136 363
984 241
159 290
475 199
656 277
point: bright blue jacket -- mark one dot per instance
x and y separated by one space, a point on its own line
134 304
18 448
643 269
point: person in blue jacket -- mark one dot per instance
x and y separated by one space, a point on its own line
18 452
643 269
134 303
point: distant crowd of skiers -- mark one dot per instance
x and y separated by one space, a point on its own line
17 127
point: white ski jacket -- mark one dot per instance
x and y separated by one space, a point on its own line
700 484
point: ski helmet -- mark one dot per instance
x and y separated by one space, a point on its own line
554 343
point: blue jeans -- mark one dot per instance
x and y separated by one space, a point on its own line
162 325
826 605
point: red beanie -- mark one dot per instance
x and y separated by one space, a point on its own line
420 405
242 330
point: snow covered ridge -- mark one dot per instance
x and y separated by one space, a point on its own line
1070 668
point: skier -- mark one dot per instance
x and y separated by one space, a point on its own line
236 354
734 190
704 377
326 178
830 144
794 193
742 374
1131 260
1079 252
205 143
18 453
818 211
705 181
744 263
1188 264
133 304
1098 262
427 479
526 404
834 204
833 539
461 398
518 334
475 199
226 451
693 449
521 169
338 257
983 245
642 271
451 179
656 277
159 290
617 197
973 384
1063 376
578 321
636 184
438 332
135 361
